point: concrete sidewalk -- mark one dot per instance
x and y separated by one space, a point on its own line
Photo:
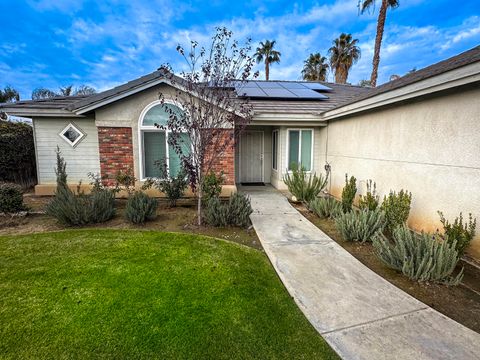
361 315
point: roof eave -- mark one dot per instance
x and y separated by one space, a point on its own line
451 79
38 112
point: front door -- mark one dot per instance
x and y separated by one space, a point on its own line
251 157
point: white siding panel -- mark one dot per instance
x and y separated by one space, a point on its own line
81 159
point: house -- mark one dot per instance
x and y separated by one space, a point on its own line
420 132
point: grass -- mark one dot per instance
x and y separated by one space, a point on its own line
144 294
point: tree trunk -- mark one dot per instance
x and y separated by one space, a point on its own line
382 15
199 206
267 70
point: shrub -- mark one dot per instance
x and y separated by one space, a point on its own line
236 211
17 149
212 185
80 209
140 208
305 187
173 188
216 213
397 208
360 225
348 193
325 207
239 210
421 257
11 198
370 200
125 180
459 232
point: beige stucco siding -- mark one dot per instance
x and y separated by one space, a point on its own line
81 159
430 147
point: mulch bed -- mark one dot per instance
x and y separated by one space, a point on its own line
461 303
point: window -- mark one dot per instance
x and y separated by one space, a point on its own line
300 148
275 150
72 134
159 159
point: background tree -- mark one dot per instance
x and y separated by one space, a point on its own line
343 54
213 116
9 94
66 91
266 53
44 93
315 68
364 83
382 16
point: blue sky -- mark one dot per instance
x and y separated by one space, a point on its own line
53 43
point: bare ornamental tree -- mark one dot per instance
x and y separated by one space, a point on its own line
213 114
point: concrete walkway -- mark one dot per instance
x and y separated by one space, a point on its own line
361 315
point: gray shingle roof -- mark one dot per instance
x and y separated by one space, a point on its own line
58 102
104 95
340 94
468 57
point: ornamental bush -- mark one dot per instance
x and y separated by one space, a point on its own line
325 207
397 208
459 232
212 185
17 160
305 187
360 225
348 193
370 200
79 209
421 257
11 198
234 212
140 208
173 188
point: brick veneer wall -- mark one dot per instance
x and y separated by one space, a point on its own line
116 151
226 162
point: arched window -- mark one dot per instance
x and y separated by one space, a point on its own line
158 158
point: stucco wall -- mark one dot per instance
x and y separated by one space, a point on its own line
81 159
431 148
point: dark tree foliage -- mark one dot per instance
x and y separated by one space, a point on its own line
211 108
17 154
9 94
44 93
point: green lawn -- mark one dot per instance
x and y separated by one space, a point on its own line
134 294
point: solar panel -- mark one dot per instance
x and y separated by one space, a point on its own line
251 92
269 85
308 94
281 90
316 86
280 93
292 85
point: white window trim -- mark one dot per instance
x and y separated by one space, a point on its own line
275 151
300 147
77 140
142 129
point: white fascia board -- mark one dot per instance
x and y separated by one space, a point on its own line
37 113
278 116
450 79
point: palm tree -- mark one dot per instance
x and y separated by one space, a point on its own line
315 68
382 16
265 52
343 54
